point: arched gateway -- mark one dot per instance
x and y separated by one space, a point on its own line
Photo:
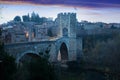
63 52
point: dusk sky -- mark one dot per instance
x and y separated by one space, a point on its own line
91 10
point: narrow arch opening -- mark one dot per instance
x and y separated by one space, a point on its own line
63 53
65 32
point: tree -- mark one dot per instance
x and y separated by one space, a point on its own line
0 32
8 67
39 68
107 53
17 18
7 64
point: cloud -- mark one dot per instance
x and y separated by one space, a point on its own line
75 3
92 3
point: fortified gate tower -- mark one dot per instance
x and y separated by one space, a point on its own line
67 23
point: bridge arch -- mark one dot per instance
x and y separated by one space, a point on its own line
63 52
27 53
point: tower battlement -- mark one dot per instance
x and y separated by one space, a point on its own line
67 24
66 15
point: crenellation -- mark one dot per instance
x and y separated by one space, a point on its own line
67 21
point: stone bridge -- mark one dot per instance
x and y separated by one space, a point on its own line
60 49
67 47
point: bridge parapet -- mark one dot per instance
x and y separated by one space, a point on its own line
70 44
19 49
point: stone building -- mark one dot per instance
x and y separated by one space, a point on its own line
65 21
40 32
